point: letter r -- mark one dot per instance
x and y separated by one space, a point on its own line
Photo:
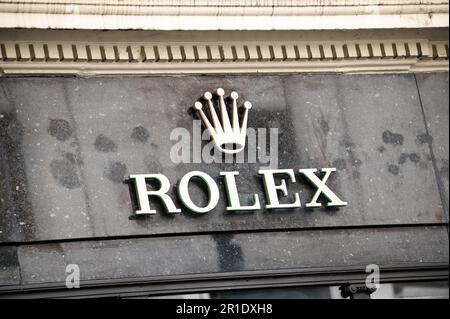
143 193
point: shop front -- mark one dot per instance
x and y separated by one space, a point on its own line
224 165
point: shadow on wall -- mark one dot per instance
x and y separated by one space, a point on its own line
230 257
16 221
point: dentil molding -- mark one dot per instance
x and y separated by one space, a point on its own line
145 52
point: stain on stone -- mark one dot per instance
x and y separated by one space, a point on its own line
424 138
392 138
74 159
402 159
70 157
229 253
8 257
443 170
324 125
104 144
140 134
65 173
17 222
15 130
381 149
339 164
393 169
60 129
116 172
347 143
414 157
355 162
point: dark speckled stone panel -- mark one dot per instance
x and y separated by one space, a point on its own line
9 266
116 259
68 144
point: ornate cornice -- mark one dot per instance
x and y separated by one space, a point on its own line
223 15
170 53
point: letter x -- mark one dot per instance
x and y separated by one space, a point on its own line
309 173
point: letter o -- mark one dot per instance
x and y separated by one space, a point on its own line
213 192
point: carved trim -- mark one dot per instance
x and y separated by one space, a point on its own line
223 15
224 8
160 285
398 55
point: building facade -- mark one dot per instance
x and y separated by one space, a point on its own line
217 149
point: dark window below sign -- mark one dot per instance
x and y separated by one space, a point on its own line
407 290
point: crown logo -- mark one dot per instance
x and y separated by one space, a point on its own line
223 132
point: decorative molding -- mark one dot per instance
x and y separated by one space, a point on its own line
223 15
90 58
224 8
189 283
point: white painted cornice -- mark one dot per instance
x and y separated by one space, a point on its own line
224 14
89 53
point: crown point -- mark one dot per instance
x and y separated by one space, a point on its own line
207 95
198 106
234 95
247 105
220 91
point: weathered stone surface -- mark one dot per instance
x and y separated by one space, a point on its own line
68 144
9 266
115 259
372 123
434 94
